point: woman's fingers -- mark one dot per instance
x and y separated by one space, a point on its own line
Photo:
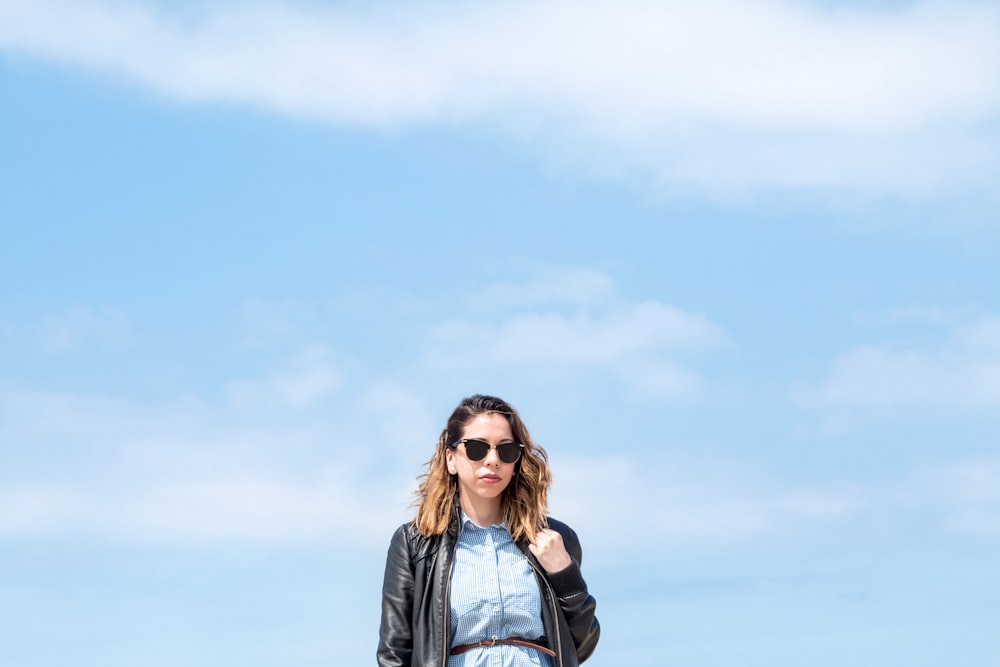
550 551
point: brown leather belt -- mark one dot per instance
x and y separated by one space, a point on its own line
510 641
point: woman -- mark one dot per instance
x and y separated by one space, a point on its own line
481 576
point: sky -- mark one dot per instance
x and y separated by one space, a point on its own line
734 262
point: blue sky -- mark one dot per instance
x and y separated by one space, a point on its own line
734 262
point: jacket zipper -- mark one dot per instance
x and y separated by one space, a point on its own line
446 626
555 612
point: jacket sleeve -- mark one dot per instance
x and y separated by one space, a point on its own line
578 605
395 645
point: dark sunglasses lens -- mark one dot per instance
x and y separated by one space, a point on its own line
476 449
509 452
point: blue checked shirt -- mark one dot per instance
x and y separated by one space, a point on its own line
494 595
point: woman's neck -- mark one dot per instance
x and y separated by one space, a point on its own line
483 512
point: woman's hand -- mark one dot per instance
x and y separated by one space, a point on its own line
550 551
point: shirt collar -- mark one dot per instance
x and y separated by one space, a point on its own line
467 522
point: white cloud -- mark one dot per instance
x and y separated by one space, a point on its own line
37 509
961 371
306 379
263 508
190 472
680 502
205 475
966 495
582 338
713 96
919 313
547 285
264 321
67 418
83 325
633 341
666 501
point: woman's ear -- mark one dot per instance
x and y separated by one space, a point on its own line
449 458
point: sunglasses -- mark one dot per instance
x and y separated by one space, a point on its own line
476 450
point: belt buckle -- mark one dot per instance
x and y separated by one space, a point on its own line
488 642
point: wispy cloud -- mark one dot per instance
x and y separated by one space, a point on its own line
255 509
665 501
964 494
83 325
304 380
197 474
593 329
711 96
974 490
206 471
265 321
960 370
261 509
684 501
545 285
581 338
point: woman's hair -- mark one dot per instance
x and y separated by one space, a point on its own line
524 501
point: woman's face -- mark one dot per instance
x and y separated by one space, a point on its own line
488 478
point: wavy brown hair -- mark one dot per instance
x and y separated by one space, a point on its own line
524 503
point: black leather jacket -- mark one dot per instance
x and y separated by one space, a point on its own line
416 601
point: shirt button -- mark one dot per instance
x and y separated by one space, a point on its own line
496 607
493 576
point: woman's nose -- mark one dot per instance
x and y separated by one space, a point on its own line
492 458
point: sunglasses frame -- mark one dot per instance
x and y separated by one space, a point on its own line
520 449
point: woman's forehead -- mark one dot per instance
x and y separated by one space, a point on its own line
488 424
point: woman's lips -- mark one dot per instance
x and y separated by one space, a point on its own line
490 479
